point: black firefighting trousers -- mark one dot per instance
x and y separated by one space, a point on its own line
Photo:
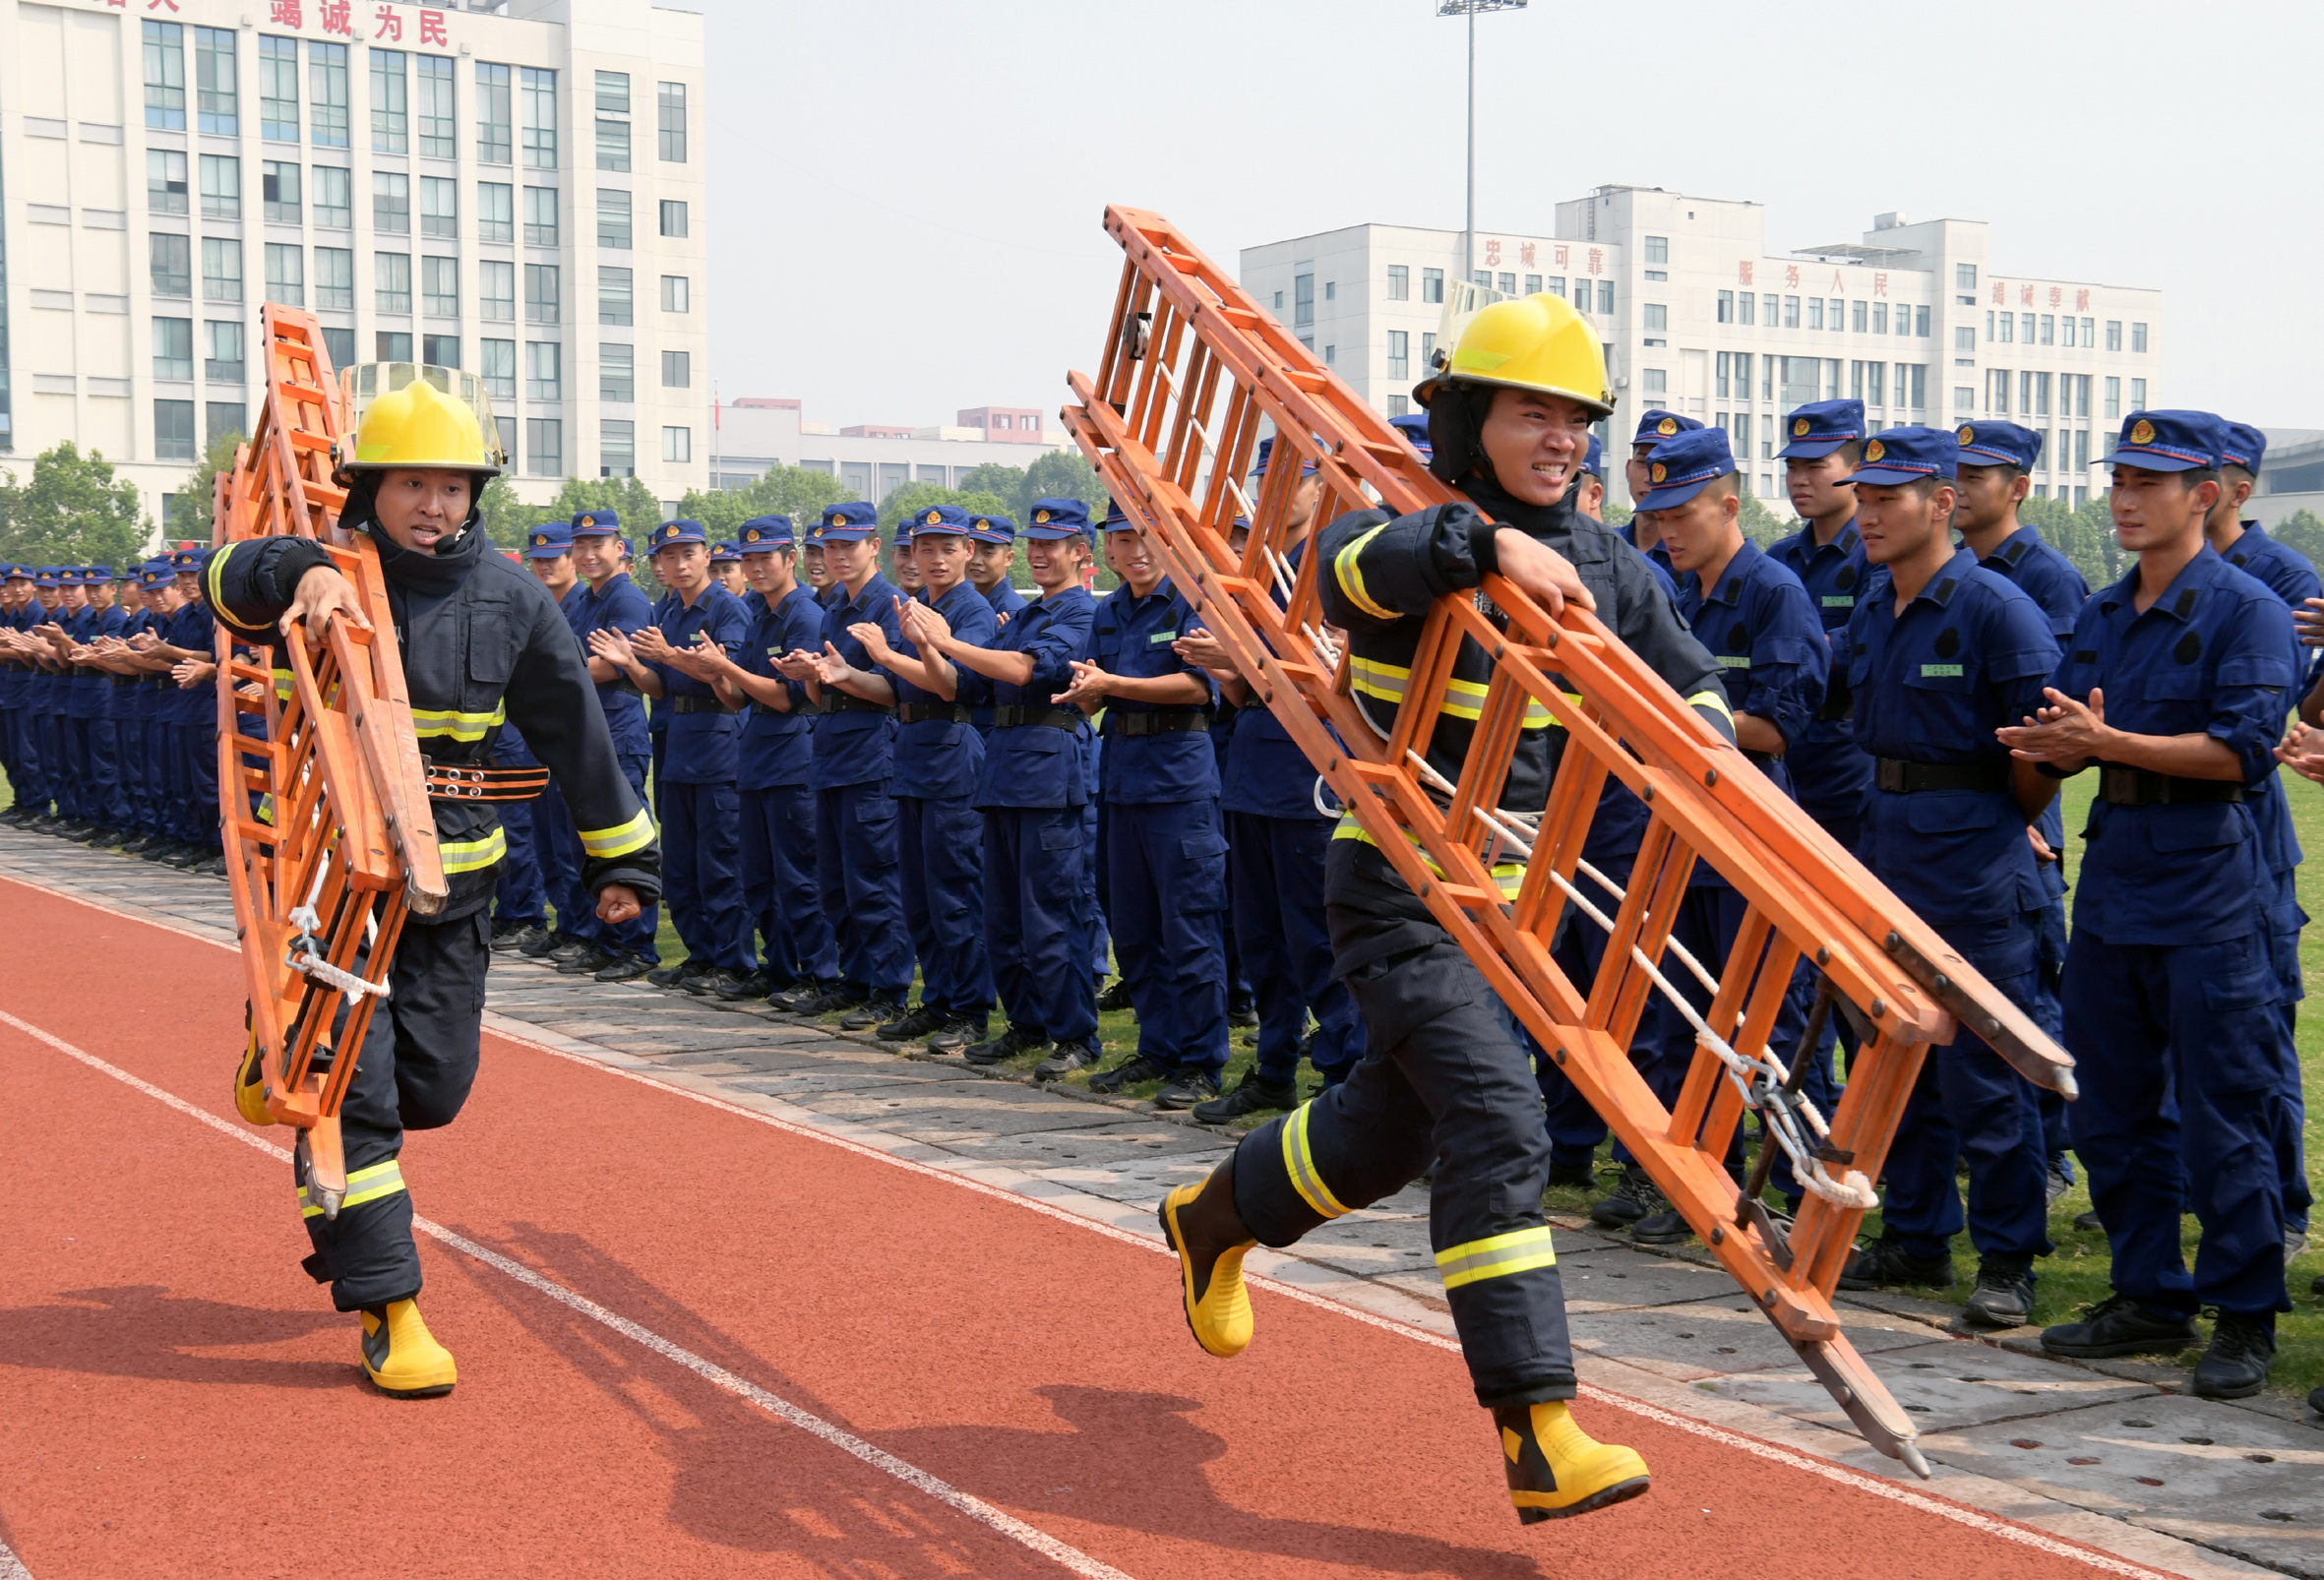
413 1072
1442 1089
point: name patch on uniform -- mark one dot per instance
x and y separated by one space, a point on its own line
1740 661
1930 671
1161 636
1839 600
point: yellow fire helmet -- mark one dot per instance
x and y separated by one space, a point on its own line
1533 343
416 422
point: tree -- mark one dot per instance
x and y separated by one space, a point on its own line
1005 483
1761 524
196 497
74 512
1615 513
506 519
2083 534
791 491
2302 532
1062 474
914 498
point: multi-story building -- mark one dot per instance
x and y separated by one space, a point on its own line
755 433
1698 316
516 188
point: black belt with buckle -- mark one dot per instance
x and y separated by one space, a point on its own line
838 701
1903 777
1159 722
1055 718
698 704
2142 788
463 781
925 712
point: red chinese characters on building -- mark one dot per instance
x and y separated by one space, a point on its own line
1792 276
2001 294
337 17
1559 255
2082 301
1525 255
1879 282
391 24
1743 271
287 13
2024 296
156 5
2057 295
1493 252
1597 260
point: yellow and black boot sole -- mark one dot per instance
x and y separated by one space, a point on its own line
400 1357
1556 1470
1201 1224
250 1087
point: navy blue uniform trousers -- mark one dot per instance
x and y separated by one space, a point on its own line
1040 912
944 883
856 851
556 849
1276 867
1575 1129
702 875
778 885
1166 864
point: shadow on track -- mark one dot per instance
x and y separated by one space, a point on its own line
141 1330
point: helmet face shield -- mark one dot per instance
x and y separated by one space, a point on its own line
446 422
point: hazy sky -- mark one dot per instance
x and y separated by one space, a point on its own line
907 195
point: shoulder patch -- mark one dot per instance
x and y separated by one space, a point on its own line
2183 602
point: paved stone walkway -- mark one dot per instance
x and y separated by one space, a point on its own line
2111 1455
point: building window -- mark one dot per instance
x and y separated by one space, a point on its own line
1303 301
1815 312
1658 249
286 272
439 207
438 287
1399 355
673 218
440 350
1399 405
508 440
173 427
544 370
1855 316
617 372
1431 285
496 365
173 258
493 131
2114 335
327 95
2089 338
1964 398
165 181
545 438
439 119
1533 285
173 348
2007 323
614 296
613 218
278 193
340 346
677 370
390 127
541 217
1658 318
1427 351
613 91
617 448
222 269
1838 306
1965 338
1964 277
539 88
277 90
1745 304
223 420
1399 283
335 201
1509 285
1727 307
221 352
496 212
543 302
165 77
391 346
2049 329
391 278
1790 311
2081 395
675 294
1330 355
1606 299
335 285
2138 394
2138 342
2081 449
1658 382
677 446
613 145
670 103
2113 406
391 203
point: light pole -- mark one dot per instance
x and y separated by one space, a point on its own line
1469 9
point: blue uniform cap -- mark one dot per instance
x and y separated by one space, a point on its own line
16 572
764 534
1117 516
1820 427
548 540
1595 463
725 552
992 528
2244 447
670 533
1656 425
47 576
1907 454
1414 426
596 523
185 559
1059 518
1681 468
1266 448
1998 444
2170 441
947 519
847 523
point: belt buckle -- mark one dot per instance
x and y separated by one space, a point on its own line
1890 775
2119 785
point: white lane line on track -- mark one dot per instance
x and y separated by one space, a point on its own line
1016 1530
11 1566
1856 1481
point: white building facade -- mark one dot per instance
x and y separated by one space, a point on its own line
1698 316
516 187
872 460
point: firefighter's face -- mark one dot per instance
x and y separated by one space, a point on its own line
420 511
1535 444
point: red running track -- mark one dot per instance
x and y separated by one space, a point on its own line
180 1400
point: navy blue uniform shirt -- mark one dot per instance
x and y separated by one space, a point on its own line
2212 656
701 744
1265 773
619 606
1006 601
2057 589
939 758
1967 655
1133 637
1770 647
777 750
1035 765
852 746
1658 556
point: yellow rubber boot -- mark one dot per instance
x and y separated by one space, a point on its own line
250 1087
1202 1225
401 1355
1555 1469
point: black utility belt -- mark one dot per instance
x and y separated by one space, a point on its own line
841 702
1159 721
460 781
765 711
932 712
1054 718
698 704
127 679
625 687
1764 759
2142 788
1903 777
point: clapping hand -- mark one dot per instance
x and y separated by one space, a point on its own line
1090 685
2065 731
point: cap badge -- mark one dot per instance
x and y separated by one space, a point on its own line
751 536
1800 428
932 519
2142 431
1041 517
981 525
1668 426
1966 434
1660 472
540 539
1876 450
837 521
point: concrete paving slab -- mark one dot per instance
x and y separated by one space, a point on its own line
1609 1278
955 1113
1063 1153
1710 1338
807 1082
1945 1386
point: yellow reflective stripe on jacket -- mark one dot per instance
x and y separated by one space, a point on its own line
285 684
1496 1257
1299 1163
1715 702
363 1184
634 835
1465 698
1508 877
1351 575
1375 678
470 855
210 575
457 726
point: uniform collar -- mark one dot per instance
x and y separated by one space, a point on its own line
2013 549
2248 546
2178 600
1738 569
1947 581
877 587
1843 542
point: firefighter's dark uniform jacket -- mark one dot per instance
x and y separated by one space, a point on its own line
483 644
